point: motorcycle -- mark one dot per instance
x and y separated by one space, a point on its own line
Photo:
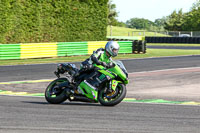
100 84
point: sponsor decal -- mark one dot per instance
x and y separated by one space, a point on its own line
90 85
80 90
93 95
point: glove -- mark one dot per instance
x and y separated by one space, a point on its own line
104 64
88 67
111 64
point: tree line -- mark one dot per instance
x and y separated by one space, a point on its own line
189 21
176 21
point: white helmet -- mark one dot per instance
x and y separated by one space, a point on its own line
112 48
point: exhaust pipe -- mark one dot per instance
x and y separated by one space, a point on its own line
82 99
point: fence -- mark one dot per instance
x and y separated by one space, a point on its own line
126 38
164 33
41 50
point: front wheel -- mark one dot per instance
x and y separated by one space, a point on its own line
112 98
54 94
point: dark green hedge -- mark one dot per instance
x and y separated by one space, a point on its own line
52 20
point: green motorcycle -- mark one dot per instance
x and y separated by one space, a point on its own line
100 84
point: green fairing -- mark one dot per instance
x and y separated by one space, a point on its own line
114 84
107 73
91 92
119 72
126 81
103 70
116 70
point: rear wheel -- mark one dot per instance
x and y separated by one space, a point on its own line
54 94
114 97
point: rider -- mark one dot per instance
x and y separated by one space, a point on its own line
101 57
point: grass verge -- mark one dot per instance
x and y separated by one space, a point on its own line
123 31
150 53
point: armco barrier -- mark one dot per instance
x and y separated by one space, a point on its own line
38 50
194 40
125 47
41 50
9 51
94 45
72 48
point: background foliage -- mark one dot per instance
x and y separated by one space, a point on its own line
112 14
140 23
189 21
176 21
52 20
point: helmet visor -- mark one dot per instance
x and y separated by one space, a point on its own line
115 51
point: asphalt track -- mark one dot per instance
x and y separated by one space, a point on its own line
45 71
174 47
33 114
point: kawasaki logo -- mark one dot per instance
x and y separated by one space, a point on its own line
90 85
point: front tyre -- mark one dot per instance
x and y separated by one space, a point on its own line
112 98
54 94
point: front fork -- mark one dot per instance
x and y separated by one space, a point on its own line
112 90
113 84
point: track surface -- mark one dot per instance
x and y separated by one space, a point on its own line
174 47
29 114
45 71
26 114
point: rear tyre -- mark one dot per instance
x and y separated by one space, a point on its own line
112 99
54 94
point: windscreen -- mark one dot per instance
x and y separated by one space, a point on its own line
121 65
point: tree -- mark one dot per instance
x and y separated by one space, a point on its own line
121 24
160 23
175 21
112 13
192 18
139 23
190 21
195 5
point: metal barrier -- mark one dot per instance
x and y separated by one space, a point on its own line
9 51
41 50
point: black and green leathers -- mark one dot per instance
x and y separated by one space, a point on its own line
99 57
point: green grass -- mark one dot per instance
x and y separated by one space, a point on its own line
150 53
122 31
171 52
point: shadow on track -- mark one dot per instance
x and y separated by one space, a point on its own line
66 103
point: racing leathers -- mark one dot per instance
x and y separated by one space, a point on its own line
99 57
